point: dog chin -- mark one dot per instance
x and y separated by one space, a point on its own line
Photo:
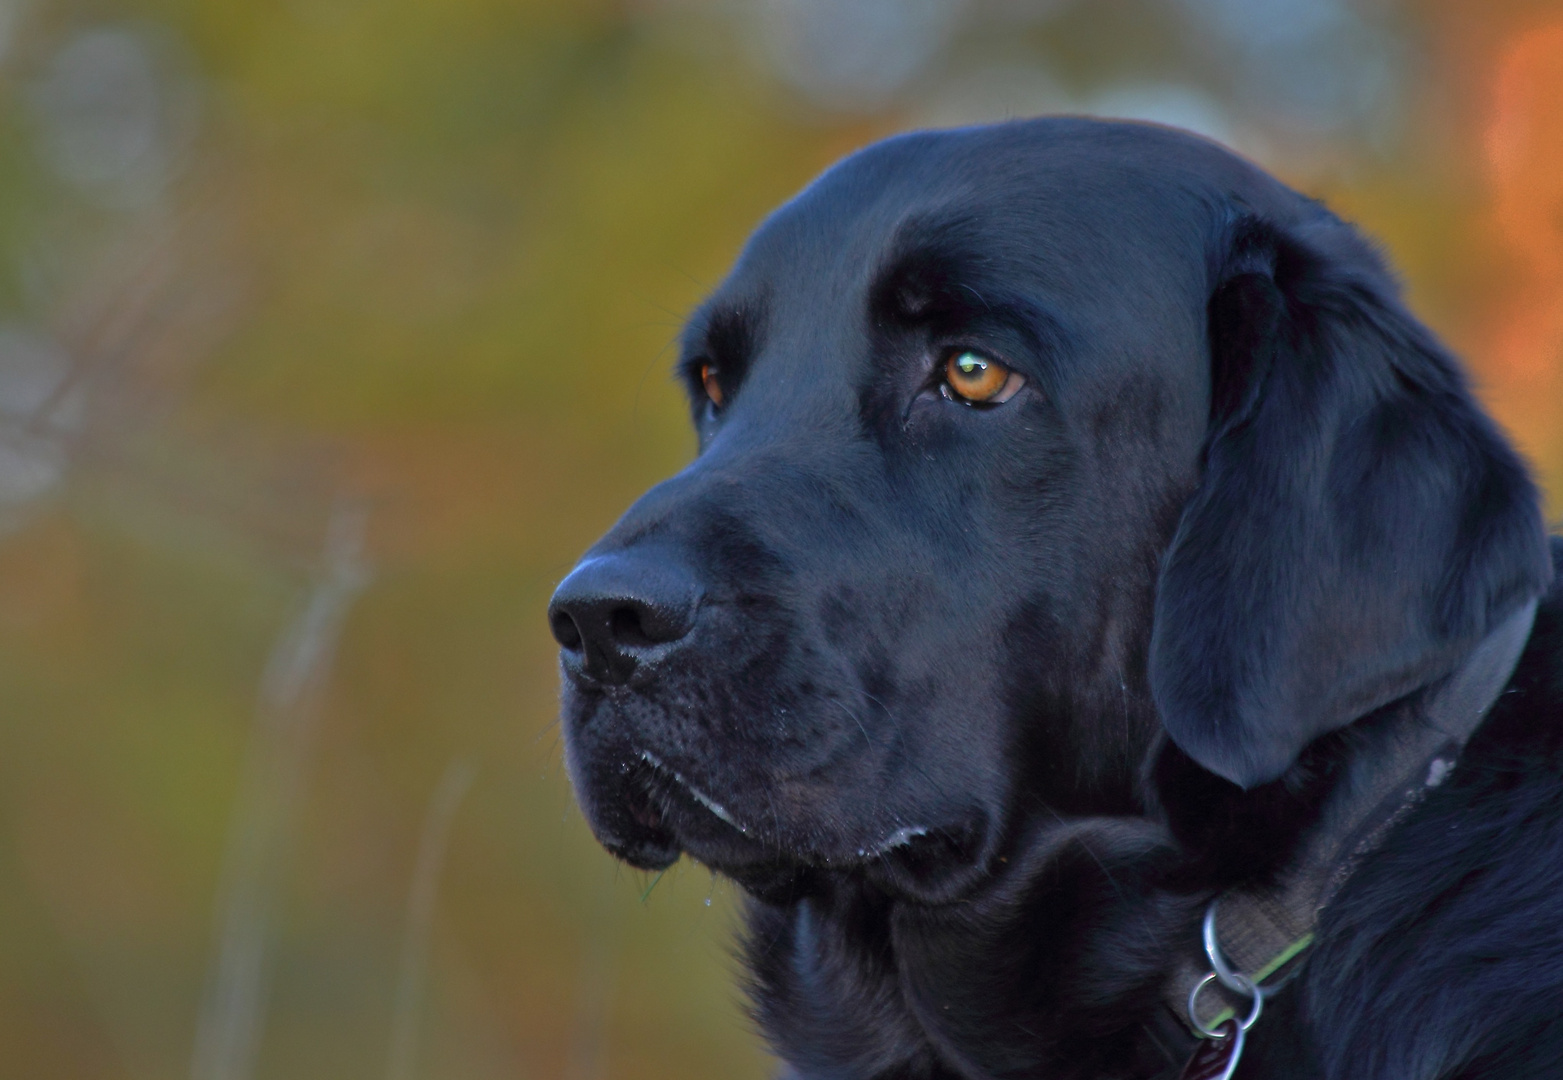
653 814
929 865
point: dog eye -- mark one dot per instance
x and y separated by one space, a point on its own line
713 388
976 379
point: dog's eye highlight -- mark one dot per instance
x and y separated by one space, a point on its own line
713 387
976 379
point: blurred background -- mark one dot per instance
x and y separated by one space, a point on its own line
331 331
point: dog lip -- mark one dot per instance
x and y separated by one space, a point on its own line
634 832
932 862
900 838
643 854
717 810
936 865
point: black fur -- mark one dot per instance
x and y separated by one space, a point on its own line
984 704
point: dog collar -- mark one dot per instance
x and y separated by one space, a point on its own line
1254 940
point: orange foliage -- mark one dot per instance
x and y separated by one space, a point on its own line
1524 152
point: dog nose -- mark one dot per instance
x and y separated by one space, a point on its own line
615 612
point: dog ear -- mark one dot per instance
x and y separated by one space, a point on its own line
1360 523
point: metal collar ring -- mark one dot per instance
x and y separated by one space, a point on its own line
1246 986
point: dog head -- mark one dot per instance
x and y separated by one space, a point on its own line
1021 446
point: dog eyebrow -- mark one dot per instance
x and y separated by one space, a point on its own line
943 273
721 332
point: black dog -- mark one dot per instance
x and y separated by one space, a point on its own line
1083 532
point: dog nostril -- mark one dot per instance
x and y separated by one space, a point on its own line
613 611
628 628
640 624
566 633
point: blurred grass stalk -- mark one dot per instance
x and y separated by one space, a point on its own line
420 916
274 771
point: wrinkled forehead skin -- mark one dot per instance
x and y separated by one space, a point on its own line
917 618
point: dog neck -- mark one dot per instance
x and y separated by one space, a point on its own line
1264 931
1091 927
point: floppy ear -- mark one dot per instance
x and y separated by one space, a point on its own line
1360 523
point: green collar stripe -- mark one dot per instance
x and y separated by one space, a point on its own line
1282 959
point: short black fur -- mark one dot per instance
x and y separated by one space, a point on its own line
984 703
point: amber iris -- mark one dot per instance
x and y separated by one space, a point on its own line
975 377
712 386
